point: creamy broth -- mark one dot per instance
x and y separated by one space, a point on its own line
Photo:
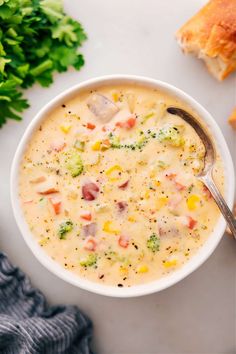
107 186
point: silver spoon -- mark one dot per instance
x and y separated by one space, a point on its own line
209 159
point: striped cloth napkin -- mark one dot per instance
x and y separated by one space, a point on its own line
29 326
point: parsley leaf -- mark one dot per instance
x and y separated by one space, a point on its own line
36 39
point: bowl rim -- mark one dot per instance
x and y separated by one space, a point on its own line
147 288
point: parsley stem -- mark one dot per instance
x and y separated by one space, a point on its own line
47 64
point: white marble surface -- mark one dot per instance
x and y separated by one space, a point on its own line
198 315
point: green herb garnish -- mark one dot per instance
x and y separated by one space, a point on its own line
36 39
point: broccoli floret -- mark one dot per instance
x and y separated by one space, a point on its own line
74 163
170 134
89 261
153 243
64 228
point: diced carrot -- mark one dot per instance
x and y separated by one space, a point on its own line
128 124
56 204
191 223
123 241
131 122
47 187
106 144
86 216
90 126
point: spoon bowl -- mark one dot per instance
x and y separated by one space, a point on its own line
209 160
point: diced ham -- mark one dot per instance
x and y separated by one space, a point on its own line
123 241
102 107
167 230
90 229
90 191
86 215
171 176
124 185
39 179
174 201
90 244
122 206
187 221
58 145
179 186
47 187
56 204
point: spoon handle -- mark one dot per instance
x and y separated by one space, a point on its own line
228 215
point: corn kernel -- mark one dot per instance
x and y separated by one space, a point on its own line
157 183
192 201
169 264
96 146
153 173
142 268
131 219
65 128
111 170
124 270
107 228
43 241
161 202
115 96
147 195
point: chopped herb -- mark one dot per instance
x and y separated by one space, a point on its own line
37 38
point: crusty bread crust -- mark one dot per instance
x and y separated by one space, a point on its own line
232 119
211 35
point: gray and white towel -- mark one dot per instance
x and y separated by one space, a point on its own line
29 326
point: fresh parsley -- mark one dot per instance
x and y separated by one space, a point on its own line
36 39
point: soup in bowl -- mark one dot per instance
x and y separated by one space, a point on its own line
105 191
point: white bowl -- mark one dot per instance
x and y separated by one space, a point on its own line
204 252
